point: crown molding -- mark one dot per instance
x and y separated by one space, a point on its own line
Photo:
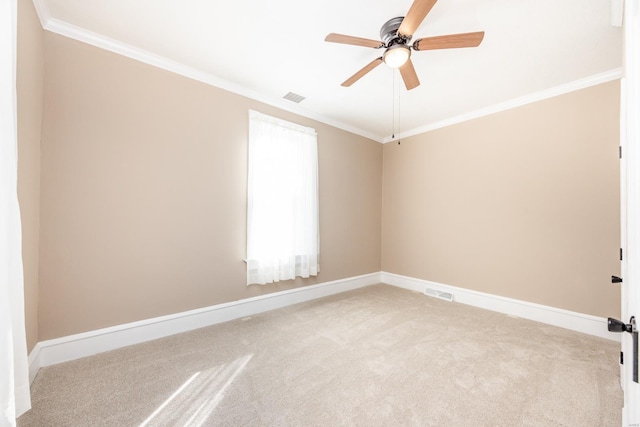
80 34
67 30
573 86
43 12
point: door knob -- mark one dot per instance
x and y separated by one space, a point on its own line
616 279
615 325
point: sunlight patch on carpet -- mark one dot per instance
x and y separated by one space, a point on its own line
195 400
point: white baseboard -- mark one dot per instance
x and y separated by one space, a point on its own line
72 347
580 322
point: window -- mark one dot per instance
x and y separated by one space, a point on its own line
282 205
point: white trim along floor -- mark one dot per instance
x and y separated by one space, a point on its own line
72 347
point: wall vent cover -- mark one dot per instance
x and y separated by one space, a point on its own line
294 97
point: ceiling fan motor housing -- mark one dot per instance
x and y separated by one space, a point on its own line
389 32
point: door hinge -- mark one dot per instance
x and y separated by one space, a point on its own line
620 254
620 151
622 358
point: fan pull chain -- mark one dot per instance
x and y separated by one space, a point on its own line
396 99
398 127
393 105
398 109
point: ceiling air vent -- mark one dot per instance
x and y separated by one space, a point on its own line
294 97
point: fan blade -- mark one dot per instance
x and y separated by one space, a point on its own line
409 75
357 76
416 14
358 41
449 42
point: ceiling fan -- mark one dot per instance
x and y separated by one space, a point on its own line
396 34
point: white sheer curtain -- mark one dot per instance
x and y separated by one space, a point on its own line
14 368
282 215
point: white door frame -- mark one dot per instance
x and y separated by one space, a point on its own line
630 189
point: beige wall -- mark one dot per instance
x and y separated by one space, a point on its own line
523 203
144 193
30 60
143 197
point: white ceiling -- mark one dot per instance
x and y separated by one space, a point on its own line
265 49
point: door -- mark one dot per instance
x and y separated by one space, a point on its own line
630 170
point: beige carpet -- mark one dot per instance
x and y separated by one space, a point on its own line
378 356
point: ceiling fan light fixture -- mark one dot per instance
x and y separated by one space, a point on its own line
395 56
